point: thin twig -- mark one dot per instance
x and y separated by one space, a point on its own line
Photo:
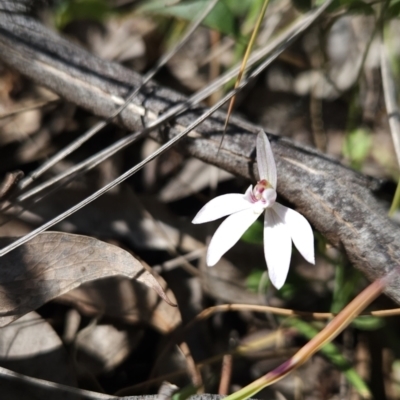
41 383
226 374
284 312
389 91
192 368
393 114
178 261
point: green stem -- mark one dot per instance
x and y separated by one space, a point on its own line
396 200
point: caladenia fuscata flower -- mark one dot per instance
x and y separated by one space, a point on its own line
282 225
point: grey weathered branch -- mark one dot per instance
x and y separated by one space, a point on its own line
336 200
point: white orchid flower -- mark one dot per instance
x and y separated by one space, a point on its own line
282 225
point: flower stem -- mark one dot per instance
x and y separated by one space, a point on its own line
334 328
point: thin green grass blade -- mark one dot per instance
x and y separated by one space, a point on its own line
244 62
396 201
333 354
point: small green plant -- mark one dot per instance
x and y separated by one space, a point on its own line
357 147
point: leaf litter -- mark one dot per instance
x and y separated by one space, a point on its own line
55 263
122 325
29 346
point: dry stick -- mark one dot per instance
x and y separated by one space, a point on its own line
215 67
284 312
159 151
146 78
15 376
28 107
192 367
226 374
392 111
178 261
283 40
9 182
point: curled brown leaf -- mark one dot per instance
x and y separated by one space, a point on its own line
54 263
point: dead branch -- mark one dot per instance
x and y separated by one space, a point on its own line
336 200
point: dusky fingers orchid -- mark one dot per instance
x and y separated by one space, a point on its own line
282 225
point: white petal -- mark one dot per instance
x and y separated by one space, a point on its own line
221 206
249 194
277 248
228 233
265 159
299 229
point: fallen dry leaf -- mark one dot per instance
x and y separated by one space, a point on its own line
54 263
101 348
30 346
125 300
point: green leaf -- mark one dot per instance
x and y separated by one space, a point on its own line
295 284
333 354
393 10
357 147
333 7
221 18
254 234
70 10
302 5
346 283
288 291
368 323
184 393
253 280
239 8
